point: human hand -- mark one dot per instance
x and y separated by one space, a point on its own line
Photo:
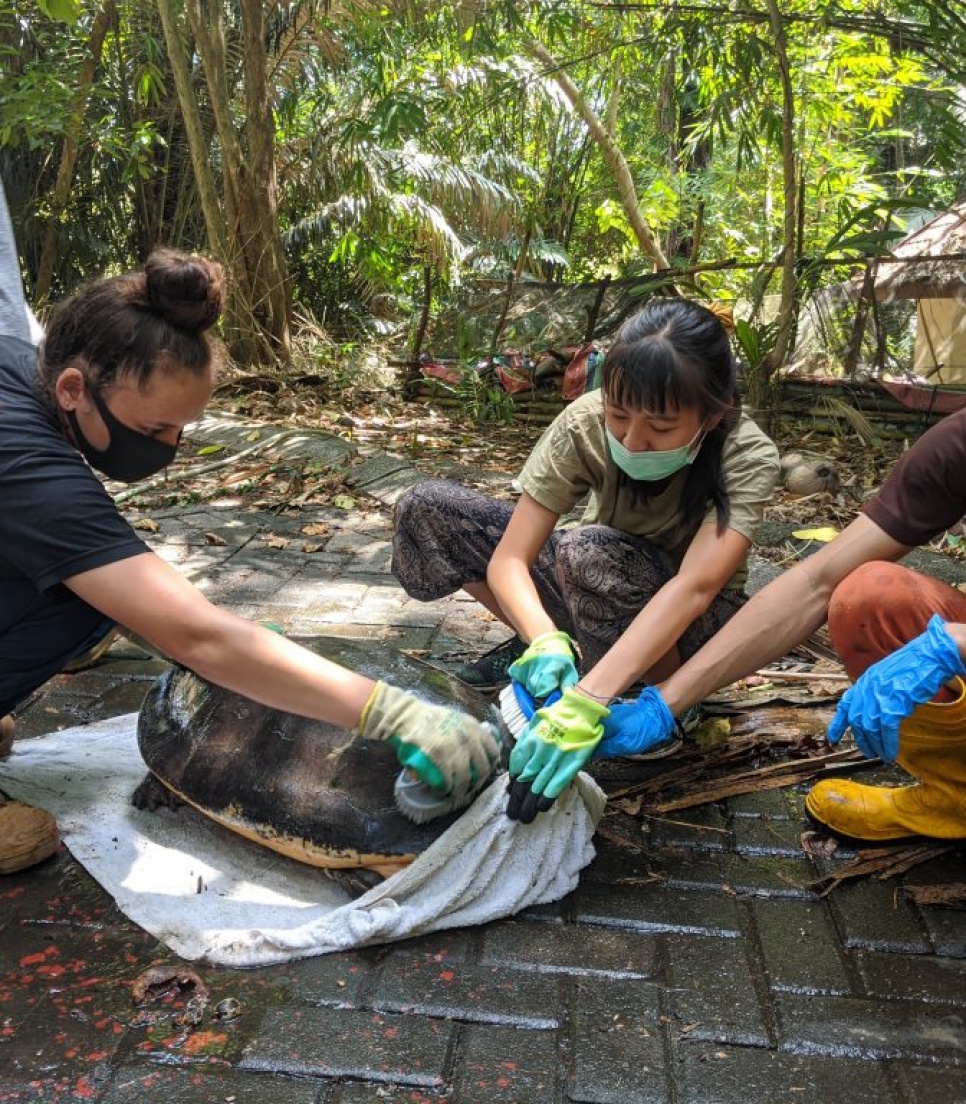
885 694
550 752
635 727
547 665
449 751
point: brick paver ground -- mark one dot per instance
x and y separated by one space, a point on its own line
700 965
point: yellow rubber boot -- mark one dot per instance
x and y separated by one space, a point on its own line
27 836
932 748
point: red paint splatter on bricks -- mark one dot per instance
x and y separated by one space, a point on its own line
200 1041
84 1089
34 959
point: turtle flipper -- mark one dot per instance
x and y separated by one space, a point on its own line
152 794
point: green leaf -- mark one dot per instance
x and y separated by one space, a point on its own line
66 11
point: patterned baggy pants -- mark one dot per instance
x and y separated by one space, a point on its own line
592 580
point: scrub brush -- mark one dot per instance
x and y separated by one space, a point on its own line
420 803
518 705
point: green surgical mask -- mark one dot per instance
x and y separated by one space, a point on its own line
649 467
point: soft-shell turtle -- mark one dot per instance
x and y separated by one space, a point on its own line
309 790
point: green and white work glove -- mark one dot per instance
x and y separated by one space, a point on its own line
550 752
547 665
449 751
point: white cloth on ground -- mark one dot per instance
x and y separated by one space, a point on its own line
213 896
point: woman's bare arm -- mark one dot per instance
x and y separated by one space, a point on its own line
148 596
779 616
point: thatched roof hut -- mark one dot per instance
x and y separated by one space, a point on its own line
930 267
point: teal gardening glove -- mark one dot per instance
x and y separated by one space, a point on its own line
547 665
885 694
449 751
551 751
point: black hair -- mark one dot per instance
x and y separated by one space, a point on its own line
126 325
672 355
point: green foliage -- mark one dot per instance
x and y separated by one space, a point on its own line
67 11
413 135
482 398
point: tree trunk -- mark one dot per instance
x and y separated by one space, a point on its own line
197 142
611 152
787 303
270 278
413 373
512 280
103 21
254 253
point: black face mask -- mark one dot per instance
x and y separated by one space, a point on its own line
129 455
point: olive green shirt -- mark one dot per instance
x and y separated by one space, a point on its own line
572 459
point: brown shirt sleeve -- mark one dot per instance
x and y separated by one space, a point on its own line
925 493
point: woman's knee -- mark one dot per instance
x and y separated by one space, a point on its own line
444 536
876 609
585 544
860 592
423 500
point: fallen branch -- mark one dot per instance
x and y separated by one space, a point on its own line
943 896
775 777
881 864
802 676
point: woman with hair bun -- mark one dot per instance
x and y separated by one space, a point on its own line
125 365
676 479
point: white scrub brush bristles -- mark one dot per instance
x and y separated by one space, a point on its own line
518 705
419 802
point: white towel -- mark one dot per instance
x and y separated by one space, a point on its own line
212 896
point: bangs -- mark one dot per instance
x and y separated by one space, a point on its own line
649 375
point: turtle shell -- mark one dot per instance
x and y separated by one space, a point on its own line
311 790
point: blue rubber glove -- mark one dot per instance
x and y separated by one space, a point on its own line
885 694
635 727
546 665
550 751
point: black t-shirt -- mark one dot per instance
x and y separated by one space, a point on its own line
56 518
925 493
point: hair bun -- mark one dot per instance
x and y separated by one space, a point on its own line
186 290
